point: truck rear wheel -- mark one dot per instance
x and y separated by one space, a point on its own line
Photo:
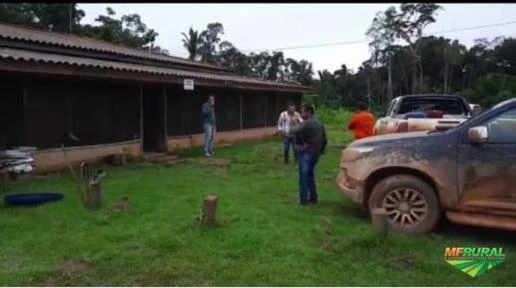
411 204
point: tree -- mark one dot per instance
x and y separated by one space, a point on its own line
408 24
192 42
259 64
210 38
300 71
453 54
229 56
382 37
506 50
208 46
129 31
275 70
326 87
54 17
21 13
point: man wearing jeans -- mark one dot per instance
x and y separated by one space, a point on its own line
288 120
209 125
313 138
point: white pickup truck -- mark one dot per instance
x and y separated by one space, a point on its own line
424 112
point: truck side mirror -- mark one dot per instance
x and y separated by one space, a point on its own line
477 135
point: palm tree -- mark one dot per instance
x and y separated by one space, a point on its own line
192 42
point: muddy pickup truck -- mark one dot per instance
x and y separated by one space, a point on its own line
423 113
467 173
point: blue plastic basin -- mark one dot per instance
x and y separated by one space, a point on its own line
32 198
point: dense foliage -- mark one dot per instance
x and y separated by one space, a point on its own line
128 30
484 73
208 46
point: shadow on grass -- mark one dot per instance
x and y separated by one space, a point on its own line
445 229
484 236
344 209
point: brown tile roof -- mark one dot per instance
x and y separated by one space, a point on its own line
33 56
12 32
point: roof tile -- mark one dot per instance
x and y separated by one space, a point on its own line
26 55
73 41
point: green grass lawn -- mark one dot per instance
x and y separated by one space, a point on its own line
264 238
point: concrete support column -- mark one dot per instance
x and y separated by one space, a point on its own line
266 116
165 118
241 115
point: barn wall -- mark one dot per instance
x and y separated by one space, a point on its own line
228 110
96 112
254 109
177 111
41 110
184 109
272 111
183 142
259 109
11 112
227 107
54 159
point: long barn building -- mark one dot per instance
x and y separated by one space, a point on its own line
114 99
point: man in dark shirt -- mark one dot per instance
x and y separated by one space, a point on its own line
209 124
312 137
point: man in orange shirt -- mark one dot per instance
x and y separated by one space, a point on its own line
362 123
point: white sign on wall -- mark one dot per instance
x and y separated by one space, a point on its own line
188 84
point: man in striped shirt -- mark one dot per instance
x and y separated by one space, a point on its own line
289 119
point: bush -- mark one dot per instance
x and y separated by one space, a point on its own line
333 116
490 90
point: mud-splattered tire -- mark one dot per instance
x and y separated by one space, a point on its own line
412 205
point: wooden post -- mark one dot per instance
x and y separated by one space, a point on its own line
24 92
266 116
277 108
165 118
70 117
141 119
380 223
188 105
209 210
241 116
95 190
25 117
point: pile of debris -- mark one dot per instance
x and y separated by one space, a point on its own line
17 160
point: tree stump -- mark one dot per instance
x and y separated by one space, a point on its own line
95 197
380 223
209 210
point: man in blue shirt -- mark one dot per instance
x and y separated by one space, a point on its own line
209 125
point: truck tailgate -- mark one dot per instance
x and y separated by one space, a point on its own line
427 124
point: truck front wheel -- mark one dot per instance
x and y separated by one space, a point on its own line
411 204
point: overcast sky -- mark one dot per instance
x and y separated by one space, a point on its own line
251 27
